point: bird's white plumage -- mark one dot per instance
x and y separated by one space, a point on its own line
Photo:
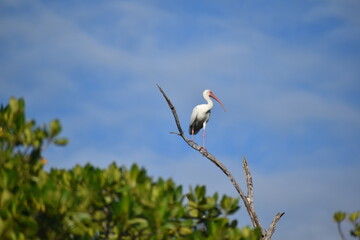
199 117
201 114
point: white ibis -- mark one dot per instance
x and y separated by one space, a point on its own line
201 115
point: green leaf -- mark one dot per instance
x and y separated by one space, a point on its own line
200 192
190 196
339 216
61 141
81 216
55 128
21 104
234 223
226 203
14 105
5 197
234 206
185 231
194 213
356 231
353 216
139 221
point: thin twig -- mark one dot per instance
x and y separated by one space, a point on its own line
248 200
173 111
249 182
272 227
341 233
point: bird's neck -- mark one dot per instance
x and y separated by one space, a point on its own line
209 102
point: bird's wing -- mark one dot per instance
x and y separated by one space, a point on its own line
193 115
193 119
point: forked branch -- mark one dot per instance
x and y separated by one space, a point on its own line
247 199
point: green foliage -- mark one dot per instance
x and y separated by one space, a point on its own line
86 202
353 218
339 216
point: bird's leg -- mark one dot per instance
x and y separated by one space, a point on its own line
203 137
203 140
192 137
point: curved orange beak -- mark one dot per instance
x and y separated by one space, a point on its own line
214 97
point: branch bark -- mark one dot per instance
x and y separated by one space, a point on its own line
249 182
272 227
247 199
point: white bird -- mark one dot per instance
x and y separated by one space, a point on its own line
201 115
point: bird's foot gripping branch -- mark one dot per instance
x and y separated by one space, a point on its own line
246 198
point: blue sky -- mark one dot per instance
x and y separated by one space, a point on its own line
287 71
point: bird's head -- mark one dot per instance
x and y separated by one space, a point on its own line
209 93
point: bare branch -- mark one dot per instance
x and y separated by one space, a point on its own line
249 182
173 110
248 200
272 227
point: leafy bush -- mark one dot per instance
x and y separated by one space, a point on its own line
86 202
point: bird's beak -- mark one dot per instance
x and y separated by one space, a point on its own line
214 97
